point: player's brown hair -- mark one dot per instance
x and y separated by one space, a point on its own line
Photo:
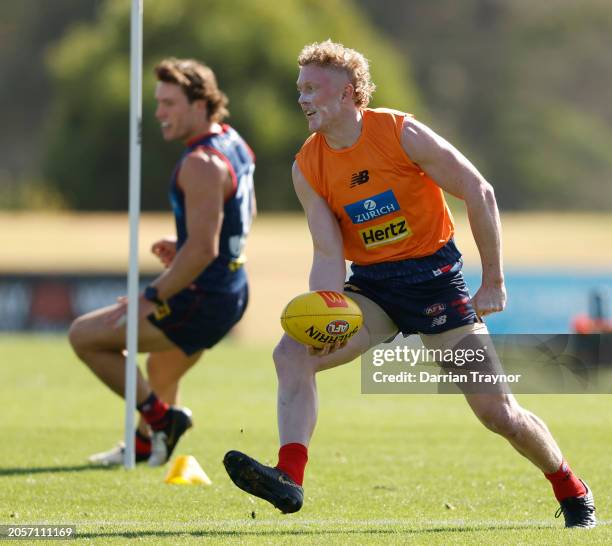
332 54
198 82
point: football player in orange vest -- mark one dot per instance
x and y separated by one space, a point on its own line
371 183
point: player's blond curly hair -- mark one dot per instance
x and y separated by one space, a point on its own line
330 53
198 82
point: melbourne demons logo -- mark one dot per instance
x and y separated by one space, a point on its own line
333 299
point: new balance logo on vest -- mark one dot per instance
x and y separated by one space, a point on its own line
359 178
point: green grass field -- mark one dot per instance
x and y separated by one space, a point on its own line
384 469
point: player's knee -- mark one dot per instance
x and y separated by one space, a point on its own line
503 419
282 357
76 337
288 361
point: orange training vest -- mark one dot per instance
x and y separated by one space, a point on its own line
388 209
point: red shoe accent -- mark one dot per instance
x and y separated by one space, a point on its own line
292 459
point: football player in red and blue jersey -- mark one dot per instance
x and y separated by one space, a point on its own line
203 291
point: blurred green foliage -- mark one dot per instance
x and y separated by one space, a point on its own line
26 28
521 87
252 47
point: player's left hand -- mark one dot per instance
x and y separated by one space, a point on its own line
165 250
489 299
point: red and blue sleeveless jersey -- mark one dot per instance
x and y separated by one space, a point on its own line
225 273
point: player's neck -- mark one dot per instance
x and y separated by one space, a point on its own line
346 132
202 129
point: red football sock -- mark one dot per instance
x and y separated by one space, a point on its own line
153 411
292 459
565 483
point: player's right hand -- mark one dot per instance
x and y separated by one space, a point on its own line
326 349
117 316
165 250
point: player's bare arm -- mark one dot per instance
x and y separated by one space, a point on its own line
254 206
203 179
165 250
456 175
328 268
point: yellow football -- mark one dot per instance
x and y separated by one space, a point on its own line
322 317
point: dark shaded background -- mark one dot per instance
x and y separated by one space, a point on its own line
521 87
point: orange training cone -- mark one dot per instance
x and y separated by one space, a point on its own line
186 470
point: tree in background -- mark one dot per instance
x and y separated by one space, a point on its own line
522 86
26 28
252 46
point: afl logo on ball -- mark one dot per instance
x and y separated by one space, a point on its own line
337 327
434 309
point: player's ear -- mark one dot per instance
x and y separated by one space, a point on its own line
348 91
200 105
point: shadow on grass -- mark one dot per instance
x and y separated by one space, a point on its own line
308 532
19 471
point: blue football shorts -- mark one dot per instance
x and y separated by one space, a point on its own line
199 319
419 295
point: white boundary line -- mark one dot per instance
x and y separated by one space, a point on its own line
419 524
